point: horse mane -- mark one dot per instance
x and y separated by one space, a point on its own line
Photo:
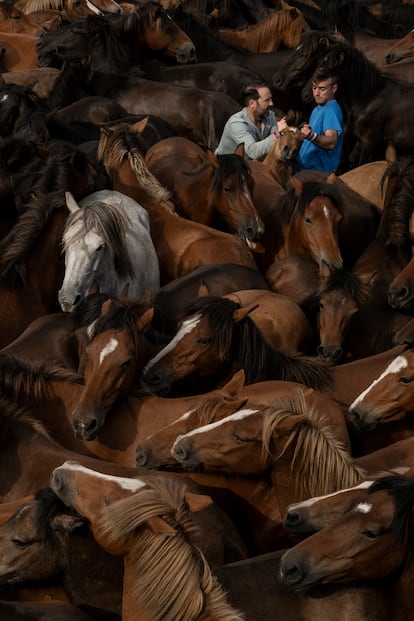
12 414
110 222
30 6
123 143
354 71
401 488
173 580
230 165
310 42
22 379
120 316
141 19
320 461
350 283
26 232
395 219
242 345
270 31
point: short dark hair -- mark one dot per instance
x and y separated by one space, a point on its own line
321 75
251 91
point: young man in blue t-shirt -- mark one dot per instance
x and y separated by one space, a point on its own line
323 135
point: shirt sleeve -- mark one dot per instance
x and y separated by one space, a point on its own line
255 149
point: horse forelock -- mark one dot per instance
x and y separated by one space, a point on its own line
142 19
320 461
314 189
350 283
110 222
218 313
121 317
231 165
188 586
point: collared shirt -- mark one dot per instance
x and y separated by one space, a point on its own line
241 129
312 157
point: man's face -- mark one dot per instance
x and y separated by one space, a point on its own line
323 91
264 103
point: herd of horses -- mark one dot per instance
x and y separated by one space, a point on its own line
206 362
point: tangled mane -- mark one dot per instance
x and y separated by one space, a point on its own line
23 379
122 143
291 206
110 222
320 461
401 488
241 345
266 36
173 580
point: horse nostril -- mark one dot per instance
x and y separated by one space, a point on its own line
56 481
92 427
140 457
292 518
388 58
179 451
277 81
292 574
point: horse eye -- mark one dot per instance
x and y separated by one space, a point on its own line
126 364
226 189
238 439
371 534
20 543
320 305
282 133
308 220
405 380
204 340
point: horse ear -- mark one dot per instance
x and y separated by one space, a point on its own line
391 154
234 384
284 5
71 204
296 185
139 127
331 178
241 313
106 307
203 290
67 523
160 526
197 502
212 158
42 151
145 319
240 150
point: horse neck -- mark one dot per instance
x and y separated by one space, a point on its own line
403 594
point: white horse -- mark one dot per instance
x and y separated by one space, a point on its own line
107 242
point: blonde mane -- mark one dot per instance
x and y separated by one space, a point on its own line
268 34
173 579
320 461
113 150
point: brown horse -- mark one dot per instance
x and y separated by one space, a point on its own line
181 244
382 412
159 508
282 155
220 335
401 49
12 19
223 184
280 27
368 544
21 52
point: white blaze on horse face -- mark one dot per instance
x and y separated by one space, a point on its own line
205 428
399 363
362 507
311 501
326 211
4 98
109 348
132 485
187 326
93 8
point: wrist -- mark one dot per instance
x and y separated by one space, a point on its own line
313 136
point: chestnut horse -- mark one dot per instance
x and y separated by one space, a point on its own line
159 508
12 19
181 245
222 183
217 337
370 544
21 52
280 27
401 49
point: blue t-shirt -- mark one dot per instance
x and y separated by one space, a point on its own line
312 157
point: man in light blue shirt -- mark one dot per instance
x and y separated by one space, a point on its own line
255 126
323 135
